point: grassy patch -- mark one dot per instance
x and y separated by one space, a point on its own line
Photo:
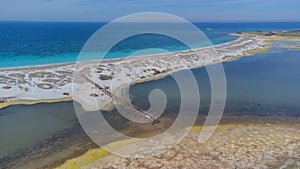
290 33
293 33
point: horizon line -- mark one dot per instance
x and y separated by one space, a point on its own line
229 21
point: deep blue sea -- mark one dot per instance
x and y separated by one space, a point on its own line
39 43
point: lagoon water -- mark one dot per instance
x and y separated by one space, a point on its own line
262 84
24 126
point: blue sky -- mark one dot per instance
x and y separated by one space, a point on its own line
193 10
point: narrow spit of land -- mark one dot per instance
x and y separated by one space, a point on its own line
54 82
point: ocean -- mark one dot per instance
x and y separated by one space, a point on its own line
40 43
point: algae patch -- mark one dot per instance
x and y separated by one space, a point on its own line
290 47
95 154
219 127
85 159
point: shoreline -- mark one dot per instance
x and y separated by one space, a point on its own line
290 47
44 80
32 102
45 66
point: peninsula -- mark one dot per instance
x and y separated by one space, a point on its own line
53 83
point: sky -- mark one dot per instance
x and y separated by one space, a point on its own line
192 10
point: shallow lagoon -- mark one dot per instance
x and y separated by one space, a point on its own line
22 126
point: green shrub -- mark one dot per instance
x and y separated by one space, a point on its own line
105 77
6 87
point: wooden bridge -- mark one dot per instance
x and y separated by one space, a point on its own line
146 114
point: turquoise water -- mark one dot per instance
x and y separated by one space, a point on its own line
40 43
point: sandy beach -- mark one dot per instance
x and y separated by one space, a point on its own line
53 83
